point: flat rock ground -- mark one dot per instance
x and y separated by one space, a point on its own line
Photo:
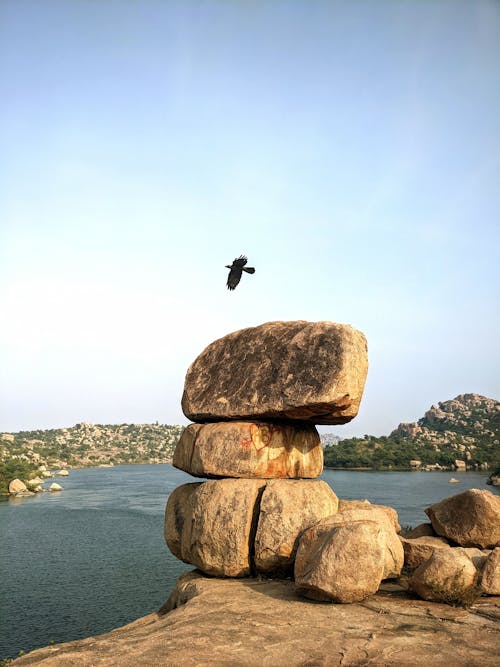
263 622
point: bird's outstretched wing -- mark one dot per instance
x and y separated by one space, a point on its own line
240 261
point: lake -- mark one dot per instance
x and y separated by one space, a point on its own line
91 558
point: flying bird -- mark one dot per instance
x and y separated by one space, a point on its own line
236 269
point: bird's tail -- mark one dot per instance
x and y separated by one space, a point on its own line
249 269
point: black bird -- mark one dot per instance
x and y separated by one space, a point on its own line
237 267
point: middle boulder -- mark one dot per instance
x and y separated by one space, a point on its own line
250 449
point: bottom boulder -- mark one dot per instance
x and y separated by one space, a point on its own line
449 575
340 563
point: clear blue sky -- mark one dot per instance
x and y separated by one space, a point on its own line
350 149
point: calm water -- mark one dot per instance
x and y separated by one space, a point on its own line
93 557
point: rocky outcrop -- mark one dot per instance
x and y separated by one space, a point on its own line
448 575
341 563
471 518
307 371
250 449
465 428
264 622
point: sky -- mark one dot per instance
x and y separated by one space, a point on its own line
350 149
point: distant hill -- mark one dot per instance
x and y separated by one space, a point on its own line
92 445
466 428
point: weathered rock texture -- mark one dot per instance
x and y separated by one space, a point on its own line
392 515
447 576
309 371
471 518
287 508
422 530
227 527
490 580
393 554
250 449
211 525
229 622
343 564
419 549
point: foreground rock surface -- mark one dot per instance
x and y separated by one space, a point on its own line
309 371
471 518
251 622
250 449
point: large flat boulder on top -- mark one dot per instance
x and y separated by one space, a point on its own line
471 518
287 508
308 371
343 564
211 524
250 449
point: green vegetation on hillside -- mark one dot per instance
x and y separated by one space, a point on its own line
86 445
14 469
466 428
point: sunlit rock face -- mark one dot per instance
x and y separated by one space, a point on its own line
340 563
287 508
471 518
306 371
250 449
211 525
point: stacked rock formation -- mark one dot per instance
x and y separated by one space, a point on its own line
255 397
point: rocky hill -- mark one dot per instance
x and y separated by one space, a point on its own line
460 433
92 445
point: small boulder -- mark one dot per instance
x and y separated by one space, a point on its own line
17 486
307 371
490 579
471 518
394 554
287 508
62 473
447 576
55 487
250 449
419 549
210 524
341 563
